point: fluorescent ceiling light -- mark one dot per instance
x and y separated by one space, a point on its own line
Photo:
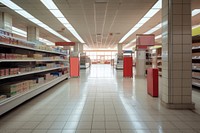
17 33
28 16
133 41
151 13
157 27
10 4
47 42
138 25
158 36
57 13
14 29
195 12
36 21
24 13
143 20
68 26
157 6
49 4
63 20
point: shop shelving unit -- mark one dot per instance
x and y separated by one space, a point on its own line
85 61
196 61
51 68
119 62
156 55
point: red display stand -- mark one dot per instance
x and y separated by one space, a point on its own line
152 81
128 67
74 67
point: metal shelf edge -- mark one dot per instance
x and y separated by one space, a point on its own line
28 48
17 100
30 60
12 76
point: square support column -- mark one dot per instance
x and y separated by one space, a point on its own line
6 21
120 48
76 47
32 34
176 88
81 48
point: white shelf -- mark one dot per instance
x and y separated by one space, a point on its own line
28 48
196 84
28 73
10 103
196 77
30 60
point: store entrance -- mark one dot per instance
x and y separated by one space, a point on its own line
101 56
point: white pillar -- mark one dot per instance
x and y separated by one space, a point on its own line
120 48
81 48
140 62
176 91
76 47
32 34
6 21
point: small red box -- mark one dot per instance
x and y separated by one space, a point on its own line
152 81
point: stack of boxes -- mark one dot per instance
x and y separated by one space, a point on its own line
14 88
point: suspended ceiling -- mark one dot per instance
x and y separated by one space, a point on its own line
101 23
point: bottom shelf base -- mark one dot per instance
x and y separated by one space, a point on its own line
12 102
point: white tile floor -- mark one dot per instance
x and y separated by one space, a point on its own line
100 101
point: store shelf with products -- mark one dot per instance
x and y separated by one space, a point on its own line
27 69
28 73
196 61
85 61
31 60
7 104
7 40
118 62
156 52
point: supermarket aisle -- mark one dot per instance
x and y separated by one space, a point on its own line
100 101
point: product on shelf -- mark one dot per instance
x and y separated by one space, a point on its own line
2 97
14 71
30 56
4 72
2 56
8 38
11 89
